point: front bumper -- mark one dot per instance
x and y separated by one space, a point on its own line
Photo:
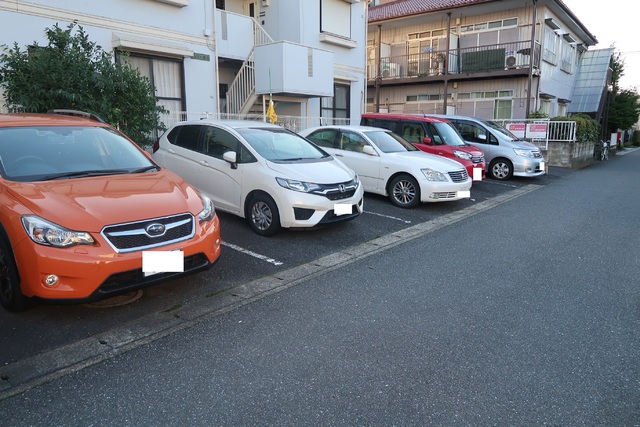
298 210
444 191
526 167
93 272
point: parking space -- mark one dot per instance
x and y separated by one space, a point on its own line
246 256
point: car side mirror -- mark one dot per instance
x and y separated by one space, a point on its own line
427 140
231 157
367 149
482 137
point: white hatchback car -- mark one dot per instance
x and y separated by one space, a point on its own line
390 166
262 172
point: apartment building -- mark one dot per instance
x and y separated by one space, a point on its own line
222 56
495 59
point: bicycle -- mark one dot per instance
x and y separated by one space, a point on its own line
604 153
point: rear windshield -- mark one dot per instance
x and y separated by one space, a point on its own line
57 152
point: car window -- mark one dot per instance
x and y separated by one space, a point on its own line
413 132
447 134
324 138
51 152
351 141
277 144
218 141
472 132
389 142
185 136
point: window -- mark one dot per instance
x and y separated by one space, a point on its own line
166 75
568 55
481 26
218 141
502 109
550 45
351 141
336 106
324 138
185 136
335 18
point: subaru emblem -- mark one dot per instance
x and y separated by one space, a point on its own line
155 229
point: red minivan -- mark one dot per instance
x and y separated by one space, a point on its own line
432 135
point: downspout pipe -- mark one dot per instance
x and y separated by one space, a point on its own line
532 56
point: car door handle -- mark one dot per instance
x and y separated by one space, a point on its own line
338 155
172 151
204 163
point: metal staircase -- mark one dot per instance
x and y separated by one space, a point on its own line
241 96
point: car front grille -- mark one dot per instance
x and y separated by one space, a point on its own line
339 191
537 154
477 159
139 235
459 176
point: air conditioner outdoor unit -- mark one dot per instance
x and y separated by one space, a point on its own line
391 69
513 60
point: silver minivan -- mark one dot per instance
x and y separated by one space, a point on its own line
505 154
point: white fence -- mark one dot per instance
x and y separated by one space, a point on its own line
541 131
294 123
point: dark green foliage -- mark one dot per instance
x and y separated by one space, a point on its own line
587 129
72 72
624 110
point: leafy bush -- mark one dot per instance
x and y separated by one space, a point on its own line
72 72
587 129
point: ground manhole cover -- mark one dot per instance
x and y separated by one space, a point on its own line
117 301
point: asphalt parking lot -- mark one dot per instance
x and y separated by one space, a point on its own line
246 257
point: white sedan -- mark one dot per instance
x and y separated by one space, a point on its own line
390 166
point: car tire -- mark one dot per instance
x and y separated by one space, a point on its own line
11 296
263 215
404 191
501 169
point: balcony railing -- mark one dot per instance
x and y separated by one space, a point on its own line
480 59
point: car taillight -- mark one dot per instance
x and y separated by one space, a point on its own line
156 145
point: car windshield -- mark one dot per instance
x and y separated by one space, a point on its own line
501 129
280 145
449 134
389 142
58 152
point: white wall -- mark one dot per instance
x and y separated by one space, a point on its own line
148 19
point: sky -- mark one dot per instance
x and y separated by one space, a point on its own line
613 22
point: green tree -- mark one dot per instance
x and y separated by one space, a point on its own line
624 110
72 72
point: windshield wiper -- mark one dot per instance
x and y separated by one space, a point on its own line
83 174
146 168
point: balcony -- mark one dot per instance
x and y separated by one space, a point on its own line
294 70
481 62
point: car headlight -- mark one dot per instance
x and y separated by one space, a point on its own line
47 233
462 154
208 211
523 153
433 175
295 185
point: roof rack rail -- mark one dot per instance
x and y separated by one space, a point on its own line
76 113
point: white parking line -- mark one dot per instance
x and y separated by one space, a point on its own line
494 182
388 216
251 253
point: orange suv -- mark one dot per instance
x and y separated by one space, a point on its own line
86 214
